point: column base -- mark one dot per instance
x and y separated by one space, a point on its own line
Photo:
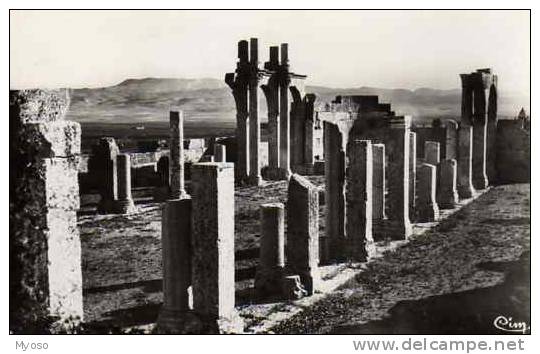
125 206
254 180
448 200
106 206
480 183
268 282
189 322
391 229
466 192
428 213
275 173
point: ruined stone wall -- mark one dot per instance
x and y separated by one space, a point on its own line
44 245
513 152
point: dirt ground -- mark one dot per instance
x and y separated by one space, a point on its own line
416 288
456 278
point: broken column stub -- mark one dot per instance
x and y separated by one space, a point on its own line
176 260
220 153
270 272
447 195
303 232
427 205
105 154
358 194
464 167
44 245
213 247
124 204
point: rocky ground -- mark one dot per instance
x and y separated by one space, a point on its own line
452 279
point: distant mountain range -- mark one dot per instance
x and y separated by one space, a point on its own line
150 99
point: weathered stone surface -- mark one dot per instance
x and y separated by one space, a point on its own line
432 152
220 153
447 196
412 175
427 205
465 187
176 253
451 139
176 162
303 231
45 251
38 106
272 252
213 245
104 157
379 182
124 204
358 197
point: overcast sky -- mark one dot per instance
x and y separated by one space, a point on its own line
393 49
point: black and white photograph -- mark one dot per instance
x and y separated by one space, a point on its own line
270 172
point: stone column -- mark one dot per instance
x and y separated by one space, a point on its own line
447 196
271 92
271 267
303 232
238 82
432 151
176 260
491 134
309 103
124 204
176 163
163 171
412 175
220 153
335 142
379 182
397 143
105 157
427 206
451 139
254 122
358 197
296 128
480 180
284 119
213 246
464 168
45 277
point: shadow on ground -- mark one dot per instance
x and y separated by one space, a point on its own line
468 312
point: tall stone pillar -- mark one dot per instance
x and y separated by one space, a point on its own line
309 121
492 133
176 260
254 121
297 128
271 92
447 196
124 204
271 267
464 168
379 182
397 143
358 197
107 171
284 119
412 175
220 153
303 232
45 277
238 82
213 246
335 143
427 205
480 180
176 163
451 139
